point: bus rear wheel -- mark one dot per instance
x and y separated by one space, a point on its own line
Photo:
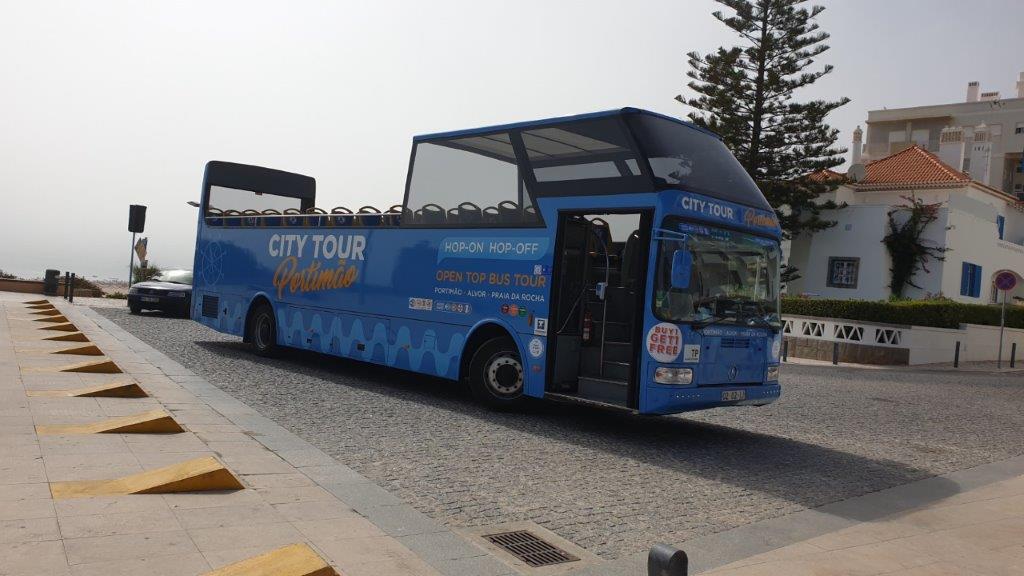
262 330
497 378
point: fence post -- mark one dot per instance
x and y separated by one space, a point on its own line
71 291
956 355
785 349
835 353
664 560
1013 354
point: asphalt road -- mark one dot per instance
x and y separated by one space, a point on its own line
610 482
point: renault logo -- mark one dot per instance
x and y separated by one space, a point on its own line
732 372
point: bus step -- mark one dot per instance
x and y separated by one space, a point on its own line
613 352
617 370
617 331
604 390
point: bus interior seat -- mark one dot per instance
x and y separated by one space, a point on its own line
601 239
313 217
431 214
490 214
508 212
629 256
394 215
340 216
369 216
232 217
468 213
291 217
251 217
271 217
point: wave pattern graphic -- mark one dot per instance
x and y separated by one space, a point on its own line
407 350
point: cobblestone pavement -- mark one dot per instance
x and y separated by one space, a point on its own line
614 483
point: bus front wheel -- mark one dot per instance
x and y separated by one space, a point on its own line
263 331
496 374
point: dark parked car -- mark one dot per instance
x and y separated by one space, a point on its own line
169 291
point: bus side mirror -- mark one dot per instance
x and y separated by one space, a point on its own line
682 263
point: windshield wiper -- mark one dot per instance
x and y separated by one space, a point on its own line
758 321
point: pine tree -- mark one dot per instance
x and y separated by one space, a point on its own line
745 93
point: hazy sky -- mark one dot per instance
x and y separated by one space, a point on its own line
105 104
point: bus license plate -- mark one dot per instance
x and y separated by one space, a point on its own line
730 395
150 299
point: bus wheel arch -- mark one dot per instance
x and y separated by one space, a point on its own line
260 330
492 367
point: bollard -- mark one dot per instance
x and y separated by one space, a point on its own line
71 290
67 284
835 353
956 355
1013 354
785 350
664 560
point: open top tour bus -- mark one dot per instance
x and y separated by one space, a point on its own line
621 258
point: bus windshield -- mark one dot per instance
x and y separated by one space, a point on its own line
734 278
684 157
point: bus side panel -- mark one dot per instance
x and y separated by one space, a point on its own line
426 347
224 312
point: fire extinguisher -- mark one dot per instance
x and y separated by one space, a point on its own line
588 325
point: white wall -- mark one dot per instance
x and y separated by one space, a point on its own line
858 234
927 345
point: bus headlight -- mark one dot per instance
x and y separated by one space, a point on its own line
773 373
677 376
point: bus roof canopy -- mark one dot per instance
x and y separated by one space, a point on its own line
612 152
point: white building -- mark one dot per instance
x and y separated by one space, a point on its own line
1000 119
981 225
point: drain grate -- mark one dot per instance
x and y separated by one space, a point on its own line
530 549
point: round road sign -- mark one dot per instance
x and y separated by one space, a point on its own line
1006 280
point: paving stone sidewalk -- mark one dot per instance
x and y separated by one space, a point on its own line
975 533
294 493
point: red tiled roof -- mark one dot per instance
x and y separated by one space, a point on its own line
826 175
914 165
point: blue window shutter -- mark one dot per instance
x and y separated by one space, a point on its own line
1001 223
965 279
976 282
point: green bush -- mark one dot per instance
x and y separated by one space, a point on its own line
936 313
117 295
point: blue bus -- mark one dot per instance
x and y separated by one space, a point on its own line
622 258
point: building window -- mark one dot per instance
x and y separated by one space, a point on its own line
1000 225
970 280
842 272
1019 129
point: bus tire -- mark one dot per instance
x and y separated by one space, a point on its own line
496 374
262 331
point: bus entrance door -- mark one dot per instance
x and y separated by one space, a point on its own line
600 267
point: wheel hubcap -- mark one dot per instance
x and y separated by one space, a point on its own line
262 331
505 375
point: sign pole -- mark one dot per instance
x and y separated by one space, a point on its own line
131 262
1002 325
